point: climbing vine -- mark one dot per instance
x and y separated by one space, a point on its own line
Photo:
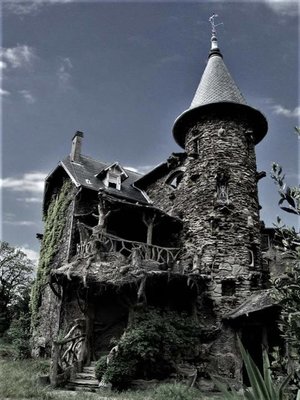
55 222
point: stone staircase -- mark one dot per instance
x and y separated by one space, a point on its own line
85 380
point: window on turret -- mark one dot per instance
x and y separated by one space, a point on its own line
251 258
174 179
228 287
196 146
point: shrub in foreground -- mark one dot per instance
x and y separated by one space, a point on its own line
150 348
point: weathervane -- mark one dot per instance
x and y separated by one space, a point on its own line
212 22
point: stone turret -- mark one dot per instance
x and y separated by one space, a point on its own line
217 197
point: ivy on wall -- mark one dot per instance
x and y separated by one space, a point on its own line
55 222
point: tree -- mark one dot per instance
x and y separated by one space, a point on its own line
16 272
288 284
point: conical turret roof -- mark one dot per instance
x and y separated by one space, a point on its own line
217 91
216 84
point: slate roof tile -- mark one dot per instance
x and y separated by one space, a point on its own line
216 85
84 174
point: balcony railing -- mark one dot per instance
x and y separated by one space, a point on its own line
67 354
107 243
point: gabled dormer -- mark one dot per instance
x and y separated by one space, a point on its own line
112 176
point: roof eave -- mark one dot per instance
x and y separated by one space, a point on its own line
191 116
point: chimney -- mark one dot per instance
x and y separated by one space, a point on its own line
76 147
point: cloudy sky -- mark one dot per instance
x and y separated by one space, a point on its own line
121 72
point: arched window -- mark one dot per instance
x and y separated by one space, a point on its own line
174 178
251 258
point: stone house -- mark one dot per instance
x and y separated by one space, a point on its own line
114 239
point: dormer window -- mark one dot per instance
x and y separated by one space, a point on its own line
112 176
113 181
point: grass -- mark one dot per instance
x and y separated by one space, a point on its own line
18 381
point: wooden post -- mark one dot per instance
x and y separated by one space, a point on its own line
150 231
136 258
149 222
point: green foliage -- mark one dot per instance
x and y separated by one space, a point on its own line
15 277
288 284
290 196
7 351
19 336
100 367
151 346
120 372
55 221
175 391
262 386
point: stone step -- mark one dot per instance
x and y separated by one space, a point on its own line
88 370
76 388
84 375
84 382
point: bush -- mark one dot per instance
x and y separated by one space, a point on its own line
100 367
152 345
19 336
7 351
120 372
175 391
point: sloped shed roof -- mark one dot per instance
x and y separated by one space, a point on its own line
258 301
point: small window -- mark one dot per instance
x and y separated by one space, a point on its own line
254 283
113 181
251 258
112 185
265 242
174 179
196 146
228 288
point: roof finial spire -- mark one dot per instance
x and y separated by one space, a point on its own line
214 43
213 25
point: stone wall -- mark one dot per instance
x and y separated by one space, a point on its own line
48 324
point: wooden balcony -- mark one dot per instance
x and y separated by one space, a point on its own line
106 243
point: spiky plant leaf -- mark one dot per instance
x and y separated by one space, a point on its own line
256 380
268 377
